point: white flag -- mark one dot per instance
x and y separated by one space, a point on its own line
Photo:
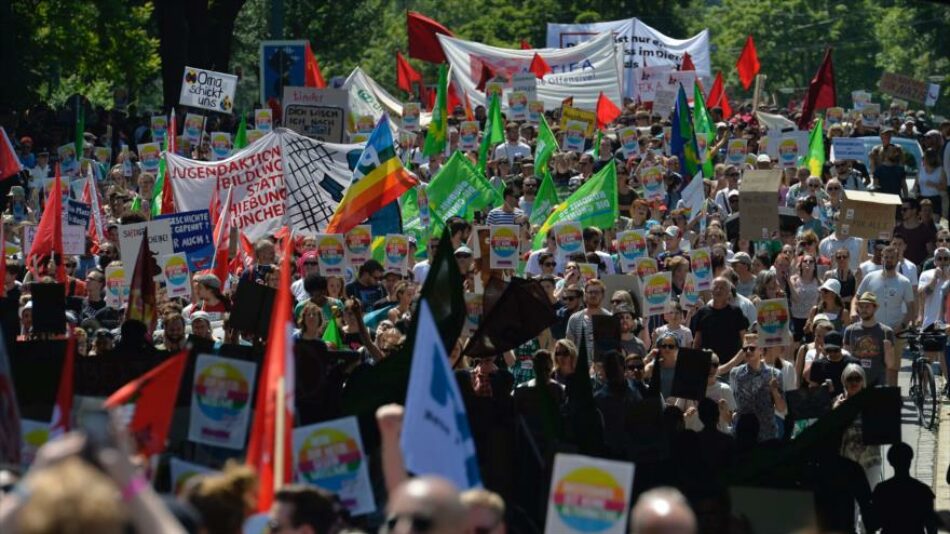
694 194
436 439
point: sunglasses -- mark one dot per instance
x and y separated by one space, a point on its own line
942 258
616 301
854 379
834 189
668 346
418 522
841 257
549 264
570 297
635 367
748 348
943 239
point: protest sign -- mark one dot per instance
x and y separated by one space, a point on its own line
330 455
574 139
631 245
221 401
700 264
330 250
264 120
833 116
773 318
159 240
281 170
910 146
468 136
640 44
208 89
396 257
33 434
77 213
646 266
364 127
735 152
871 115
518 106
282 64
852 148
191 234
535 110
587 118
495 87
791 145
473 312
194 126
149 156
410 116
656 292
503 246
651 178
527 83
254 135
629 141
103 154
569 238
220 145
588 495
182 472
117 291
74 239
316 113
908 88
690 295
758 204
859 99
867 215
175 272
588 272
159 128
648 80
68 161
357 243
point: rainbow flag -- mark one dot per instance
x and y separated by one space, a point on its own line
379 178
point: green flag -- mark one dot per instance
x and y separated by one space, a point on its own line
593 204
412 219
459 189
435 137
703 127
600 136
80 127
332 334
815 159
240 138
545 146
155 207
545 199
494 133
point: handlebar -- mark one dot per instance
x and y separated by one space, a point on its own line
916 333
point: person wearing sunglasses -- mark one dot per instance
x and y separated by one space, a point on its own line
424 505
852 442
662 359
534 265
850 179
304 509
828 246
758 389
571 299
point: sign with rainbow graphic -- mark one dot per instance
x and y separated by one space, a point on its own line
503 246
175 273
656 292
773 318
397 253
330 456
221 401
631 245
358 242
331 250
589 495
700 263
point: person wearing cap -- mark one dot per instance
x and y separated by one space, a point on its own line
366 288
27 158
208 297
731 174
872 342
826 371
201 326
464 257
512 148
763 162
391 278
741 263
830 306
854 379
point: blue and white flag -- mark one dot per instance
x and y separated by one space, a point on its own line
436 439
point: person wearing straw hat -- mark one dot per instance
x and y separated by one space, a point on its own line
872 343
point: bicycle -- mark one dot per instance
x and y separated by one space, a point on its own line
923 387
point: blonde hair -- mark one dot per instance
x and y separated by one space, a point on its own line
484 499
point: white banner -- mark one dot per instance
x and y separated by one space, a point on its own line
208 89
582 71
283 178
367 97
221 401
640 46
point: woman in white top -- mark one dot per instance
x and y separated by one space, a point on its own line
803 287
932 180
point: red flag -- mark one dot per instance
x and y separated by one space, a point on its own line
487 74
567 102
168 194
154 395
687 63
748 63
222 241
607 111
214 207
142 302
452 98
9 162
90 195
469 114
49 233
405 74
3 275
63 409
539 66
821 92
525 45
278 366
423 41
717 97
314 78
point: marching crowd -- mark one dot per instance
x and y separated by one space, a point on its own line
849 300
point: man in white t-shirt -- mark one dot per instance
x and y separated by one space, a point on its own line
933 284
512 148
831 244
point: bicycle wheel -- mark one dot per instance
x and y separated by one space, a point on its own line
916 391
928 407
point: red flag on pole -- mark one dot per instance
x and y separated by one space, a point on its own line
269 449
687 63
748 63
63 409
49 233
607 111
314 78
168 193
214 207
469 114
142 302
222 240
487 74
539 66
525 45
821 92
423 41
717 97
154 395
90 195
405 74
9 162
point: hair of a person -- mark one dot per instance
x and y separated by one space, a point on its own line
852 369
219 498
313 282
309 305
483 498
370 266
312 506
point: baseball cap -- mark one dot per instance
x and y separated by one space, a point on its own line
741 257
868 297
833 340
463 250
200 316
763 158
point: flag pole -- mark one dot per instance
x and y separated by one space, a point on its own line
759 79
279 439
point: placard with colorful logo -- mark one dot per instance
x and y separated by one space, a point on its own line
103 154
358 243
859 99
834 116
871 115
159 127
330 455
588 272
126 159
221 401
588 495
494 87
149 156
700 263
646 266
651 178
690 295
194 126
503 246
175 272
468 135
264 120
574 136
656 292
410 116
735 152
631 245
773 318
117 291
33 435
220 145
396 249
254 135
68 162
182 472
473 312
569 237
630 141
535 110
788 152
518 105
364 127
331 249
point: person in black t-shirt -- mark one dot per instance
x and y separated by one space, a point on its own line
720 326
830 368
366 288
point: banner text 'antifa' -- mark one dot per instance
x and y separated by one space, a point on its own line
260 175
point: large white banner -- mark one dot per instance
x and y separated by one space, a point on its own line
282 178
367 97
581 72
641 46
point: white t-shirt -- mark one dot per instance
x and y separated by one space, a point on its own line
932 302
419 271
908 269
831 244
867 267
718 390
893 293
512 150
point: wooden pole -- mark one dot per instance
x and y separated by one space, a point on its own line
279 441
759 80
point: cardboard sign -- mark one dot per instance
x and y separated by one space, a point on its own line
569 237
220 145
396 257
758 204
773 318
221 401
317 113
656 293
735 152
867 215
331 251
175 272
191 234
358 245
589 118
588 495
194 126
691 374
907 88
330 455
74 239
468 135
503 246
700 264
208 89
264 120
631 246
